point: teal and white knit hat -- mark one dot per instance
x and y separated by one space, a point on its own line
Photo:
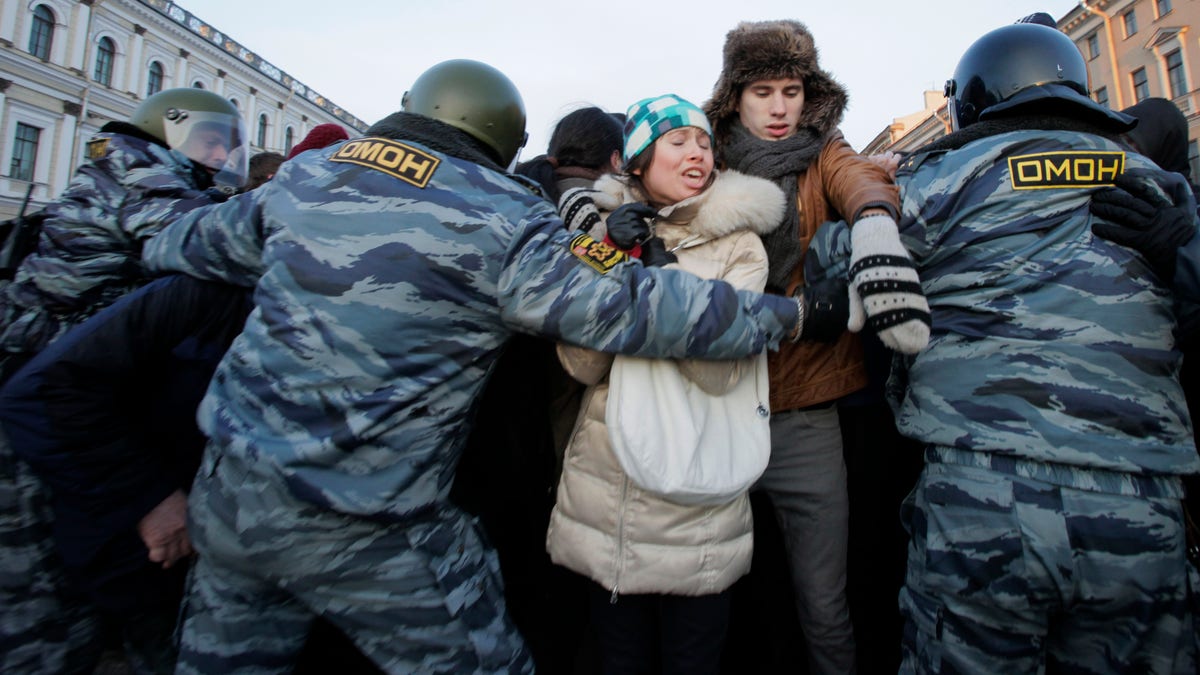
650 118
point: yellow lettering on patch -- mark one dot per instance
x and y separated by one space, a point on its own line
96 148
409 164
1067 169
597 254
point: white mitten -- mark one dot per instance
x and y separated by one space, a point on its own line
885 290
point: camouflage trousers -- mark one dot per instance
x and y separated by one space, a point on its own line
44 628
1008 574
420 597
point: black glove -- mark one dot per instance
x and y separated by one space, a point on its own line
1145 220
826 310
655 253
627 226
217 194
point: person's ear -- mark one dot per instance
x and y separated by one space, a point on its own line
614 161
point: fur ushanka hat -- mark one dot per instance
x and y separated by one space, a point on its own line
769 50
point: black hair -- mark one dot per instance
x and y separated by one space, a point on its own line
584 139
262 167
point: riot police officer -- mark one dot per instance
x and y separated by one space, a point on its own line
1047 529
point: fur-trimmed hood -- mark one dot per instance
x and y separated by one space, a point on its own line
763 50
734 202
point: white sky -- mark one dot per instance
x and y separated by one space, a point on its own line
563 55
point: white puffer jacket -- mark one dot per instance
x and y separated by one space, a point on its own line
605 527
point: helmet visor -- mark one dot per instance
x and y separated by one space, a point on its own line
950 91
214 140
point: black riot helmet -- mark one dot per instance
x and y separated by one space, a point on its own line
1023 65
476 98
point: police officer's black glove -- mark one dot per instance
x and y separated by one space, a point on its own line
655 253
627 226
826 310
1144 220
217 194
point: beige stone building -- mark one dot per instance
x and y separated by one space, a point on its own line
1134 49
67 67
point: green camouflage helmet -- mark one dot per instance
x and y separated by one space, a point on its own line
201 125
476 98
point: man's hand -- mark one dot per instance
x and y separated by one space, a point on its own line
1145 220
885 290
888 161
164 530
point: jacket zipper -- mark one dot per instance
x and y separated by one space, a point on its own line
620 540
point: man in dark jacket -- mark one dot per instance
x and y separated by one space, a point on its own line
105 416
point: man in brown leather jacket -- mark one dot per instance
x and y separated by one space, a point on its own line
775 114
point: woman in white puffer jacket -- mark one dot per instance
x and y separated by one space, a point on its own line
662 569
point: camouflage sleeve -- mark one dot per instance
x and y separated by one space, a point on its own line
155 193
223 242
568 287
828 253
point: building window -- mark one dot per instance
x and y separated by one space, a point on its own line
42 34
1130 21
197 85
1093 46
106 51
233 102
1101 95
288 138
1163 7
1194 157
24 156
1175 75
261 139
1141 87
154 78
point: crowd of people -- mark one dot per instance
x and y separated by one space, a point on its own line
378 404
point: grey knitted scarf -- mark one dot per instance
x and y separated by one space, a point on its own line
781 161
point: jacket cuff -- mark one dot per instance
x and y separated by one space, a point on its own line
886 206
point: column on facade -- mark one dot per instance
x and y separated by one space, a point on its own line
64 154
252 116
134 68
4 85
181 69
8 22
80 25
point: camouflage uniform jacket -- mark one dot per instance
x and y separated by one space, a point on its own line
389 275
1052 349
89 250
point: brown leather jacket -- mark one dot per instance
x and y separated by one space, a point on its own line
839 185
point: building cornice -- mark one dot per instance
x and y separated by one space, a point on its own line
216 40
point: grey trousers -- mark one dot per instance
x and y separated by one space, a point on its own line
1008 574
420 597
806 480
